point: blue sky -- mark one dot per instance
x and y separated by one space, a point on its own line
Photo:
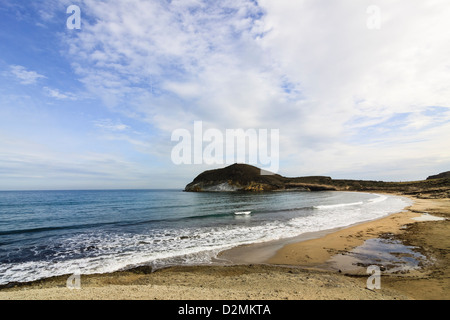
95 108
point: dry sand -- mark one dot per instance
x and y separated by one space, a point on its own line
308 269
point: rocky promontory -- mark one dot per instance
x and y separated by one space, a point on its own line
243 177
441 175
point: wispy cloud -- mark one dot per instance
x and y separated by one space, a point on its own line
109 125
312 70
172 54
25 76
55 93
25 164
345 98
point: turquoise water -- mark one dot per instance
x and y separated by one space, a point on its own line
49 233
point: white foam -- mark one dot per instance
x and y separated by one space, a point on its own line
193 245
378 199
428 217
339 205
243 212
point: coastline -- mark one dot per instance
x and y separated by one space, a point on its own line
419 232
301 268
310 249
313 249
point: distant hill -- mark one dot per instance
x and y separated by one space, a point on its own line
243 177
441 175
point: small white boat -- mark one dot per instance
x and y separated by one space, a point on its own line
243 212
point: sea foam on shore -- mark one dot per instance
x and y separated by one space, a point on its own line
99 232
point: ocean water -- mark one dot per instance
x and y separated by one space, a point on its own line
50 233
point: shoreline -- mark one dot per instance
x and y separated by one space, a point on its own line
311 246
303 264
271 252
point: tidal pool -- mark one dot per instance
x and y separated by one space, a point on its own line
389 254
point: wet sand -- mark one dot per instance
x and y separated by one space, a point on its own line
411 248
313 266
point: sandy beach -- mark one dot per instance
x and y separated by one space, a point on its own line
329 265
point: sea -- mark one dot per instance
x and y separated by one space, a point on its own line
50 233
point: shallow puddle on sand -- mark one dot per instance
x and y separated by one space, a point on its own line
389 254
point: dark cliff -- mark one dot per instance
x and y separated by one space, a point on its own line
441 175
243 177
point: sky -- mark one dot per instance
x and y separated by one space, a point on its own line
355 89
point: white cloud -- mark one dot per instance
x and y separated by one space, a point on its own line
24 76
170 50
55 93
109 125
28 164
309 68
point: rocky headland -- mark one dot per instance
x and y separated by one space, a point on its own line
243 177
